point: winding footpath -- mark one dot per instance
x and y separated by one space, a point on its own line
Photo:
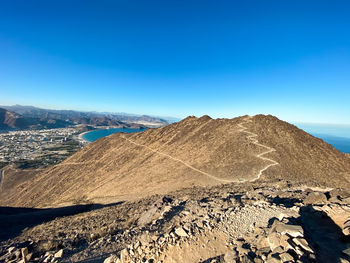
251 136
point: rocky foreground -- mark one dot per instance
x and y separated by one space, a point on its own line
250 222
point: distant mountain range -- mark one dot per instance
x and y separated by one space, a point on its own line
29 117
10 120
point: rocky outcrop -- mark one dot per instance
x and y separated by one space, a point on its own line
252 222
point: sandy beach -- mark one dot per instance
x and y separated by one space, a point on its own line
81 138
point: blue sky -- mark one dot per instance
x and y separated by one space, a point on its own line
178 58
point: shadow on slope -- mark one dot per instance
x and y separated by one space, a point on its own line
325 236
14 219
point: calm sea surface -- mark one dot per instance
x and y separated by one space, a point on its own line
336 135
97 134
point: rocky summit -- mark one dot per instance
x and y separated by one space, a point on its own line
248 189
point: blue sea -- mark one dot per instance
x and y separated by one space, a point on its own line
336 135
97 134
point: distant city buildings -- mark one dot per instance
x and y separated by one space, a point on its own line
45 146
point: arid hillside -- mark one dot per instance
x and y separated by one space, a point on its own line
193 152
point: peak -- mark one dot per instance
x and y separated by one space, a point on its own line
271 120
266 117
205 118
189 118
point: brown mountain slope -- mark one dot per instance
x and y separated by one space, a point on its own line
300 155
195 151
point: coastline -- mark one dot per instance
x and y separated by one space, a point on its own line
81 138
105 132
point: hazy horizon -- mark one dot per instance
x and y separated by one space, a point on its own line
295 122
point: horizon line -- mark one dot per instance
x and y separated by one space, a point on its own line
171 117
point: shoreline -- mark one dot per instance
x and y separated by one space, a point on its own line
81 138
85 142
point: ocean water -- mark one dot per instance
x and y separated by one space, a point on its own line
97 134
340 143
336 135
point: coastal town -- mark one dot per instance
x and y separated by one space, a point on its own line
37 148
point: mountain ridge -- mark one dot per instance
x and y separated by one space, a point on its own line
10 120
132 166
82 117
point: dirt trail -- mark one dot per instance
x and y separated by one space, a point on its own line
178 160
251 136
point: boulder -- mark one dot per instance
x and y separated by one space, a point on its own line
148 216
316 198
273 240
291 230
286 257
301 242
284 241
278 250
59 253
180 232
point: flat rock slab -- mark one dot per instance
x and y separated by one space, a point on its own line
180 232
291 230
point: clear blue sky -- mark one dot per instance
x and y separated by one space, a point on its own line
178 58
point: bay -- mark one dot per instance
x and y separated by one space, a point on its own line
97 134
